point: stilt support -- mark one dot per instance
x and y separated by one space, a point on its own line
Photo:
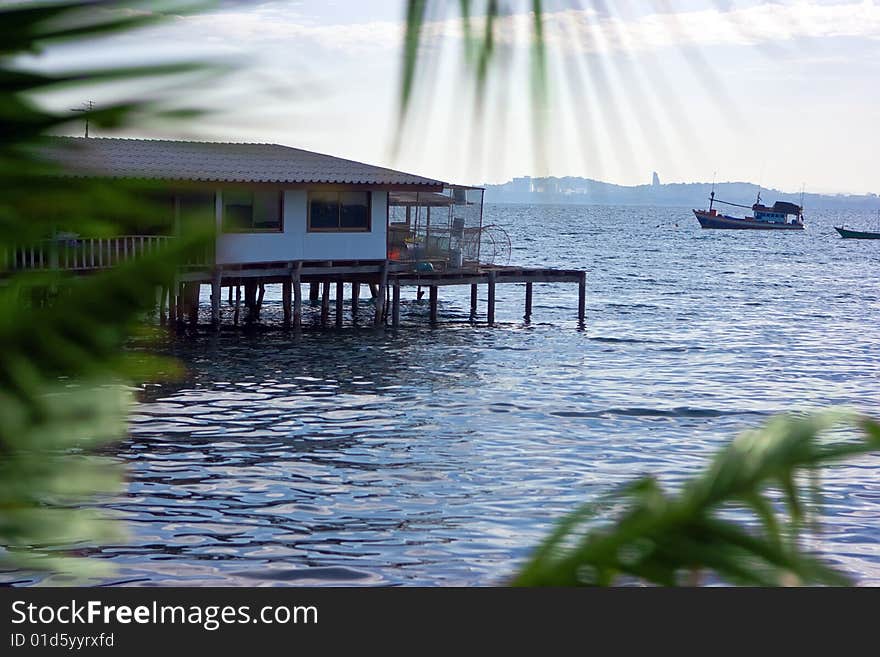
260 299
490 313
286 292
192 302
582 299
216 294
163 301
355 299
528 314
381 292
325 303
395 304
296 282
433 296
340 291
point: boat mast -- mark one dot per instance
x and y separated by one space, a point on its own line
801 215
712 195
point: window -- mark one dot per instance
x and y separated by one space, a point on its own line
249 212
339 211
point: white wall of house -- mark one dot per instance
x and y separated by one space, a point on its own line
296 243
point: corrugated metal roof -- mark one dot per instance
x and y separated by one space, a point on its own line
215 162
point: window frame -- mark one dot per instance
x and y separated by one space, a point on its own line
229 230
339 227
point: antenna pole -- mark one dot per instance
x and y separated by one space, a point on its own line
88 107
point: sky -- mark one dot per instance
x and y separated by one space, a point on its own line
783 94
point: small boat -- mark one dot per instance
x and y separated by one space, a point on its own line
782 215
850 234
846 233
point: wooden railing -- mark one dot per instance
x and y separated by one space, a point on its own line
81 253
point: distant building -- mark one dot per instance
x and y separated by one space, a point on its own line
522 185
656 180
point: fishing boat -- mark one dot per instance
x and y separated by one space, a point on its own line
782 215
846 233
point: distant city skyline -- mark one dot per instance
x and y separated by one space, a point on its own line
576 190
783 94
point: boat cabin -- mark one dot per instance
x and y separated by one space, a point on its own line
779 213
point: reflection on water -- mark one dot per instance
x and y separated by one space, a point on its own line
440 456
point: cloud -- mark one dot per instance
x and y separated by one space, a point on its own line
766 23
569 29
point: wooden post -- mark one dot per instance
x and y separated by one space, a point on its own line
216 293
491 309
313 291
181 302
237 304
355 298
260 299
193 290
325 303
250 299
582 299
229 296
340 291
163 299
473 301
434 304
286 289
374 293
297 295
395 304
172 303
381 292
528 301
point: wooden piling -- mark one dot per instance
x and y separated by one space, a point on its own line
374 294
313 291
379 319
172 303
216 294
355 299
340 291
395 304
229 296
528 314
237 304
286 290
582 298
250 300
490 312
192 302
181 302
473 301
296 281
163 299
433 296
260 299
325 303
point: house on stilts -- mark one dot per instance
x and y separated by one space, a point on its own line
281 215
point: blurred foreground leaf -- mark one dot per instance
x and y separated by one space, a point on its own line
64 374
676 538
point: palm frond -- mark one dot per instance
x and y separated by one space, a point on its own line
662 537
